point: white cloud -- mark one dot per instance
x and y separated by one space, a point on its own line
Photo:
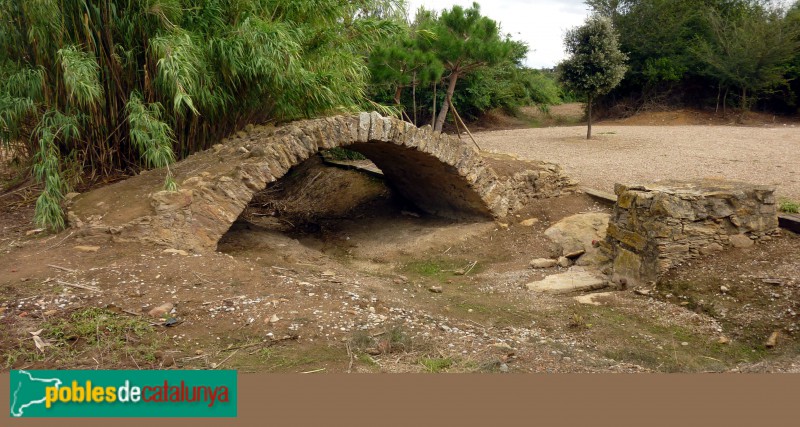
539 23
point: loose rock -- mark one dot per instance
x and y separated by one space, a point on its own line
772 341
543 263
593 299
161 310
741 241
87 248
176 251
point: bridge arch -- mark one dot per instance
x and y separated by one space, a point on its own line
439 173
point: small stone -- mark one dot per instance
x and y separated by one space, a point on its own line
87 248
35 231
161 310
684 343
574 254
199 352
710 249
723 340
724 289
243 150
530 222
741 241
543 263
593 299
503 347
274 319
176 251
328 273
643 292
564 262
772 341
504 368
435 289
371 310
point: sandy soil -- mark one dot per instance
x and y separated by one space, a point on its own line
633 154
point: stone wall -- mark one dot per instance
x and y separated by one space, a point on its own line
658 226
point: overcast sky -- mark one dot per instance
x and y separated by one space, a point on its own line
539 23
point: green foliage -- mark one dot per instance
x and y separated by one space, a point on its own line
402 62
437 364
340 153
695 52
752 53
464 42
146 82
595 65
462 48
789 206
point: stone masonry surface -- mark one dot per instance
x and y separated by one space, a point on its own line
658 226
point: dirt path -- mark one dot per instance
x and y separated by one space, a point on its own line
619 153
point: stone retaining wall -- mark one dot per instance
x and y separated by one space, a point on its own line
658 226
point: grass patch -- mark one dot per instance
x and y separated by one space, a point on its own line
789 206
293 359
91 336
631 338
394 340
437 364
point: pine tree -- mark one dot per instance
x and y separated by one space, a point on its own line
464 42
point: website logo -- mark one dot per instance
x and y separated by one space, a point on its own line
141 394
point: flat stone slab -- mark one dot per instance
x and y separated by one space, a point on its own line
594 299
571 281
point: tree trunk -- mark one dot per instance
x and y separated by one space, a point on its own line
744 99
414 97
589 113
725 103
433 117
451 87
397 94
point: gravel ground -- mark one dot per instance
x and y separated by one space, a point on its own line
641 154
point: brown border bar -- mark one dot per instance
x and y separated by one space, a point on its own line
465 399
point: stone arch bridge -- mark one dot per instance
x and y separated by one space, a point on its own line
441 174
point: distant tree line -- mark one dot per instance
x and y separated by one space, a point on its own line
719 54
